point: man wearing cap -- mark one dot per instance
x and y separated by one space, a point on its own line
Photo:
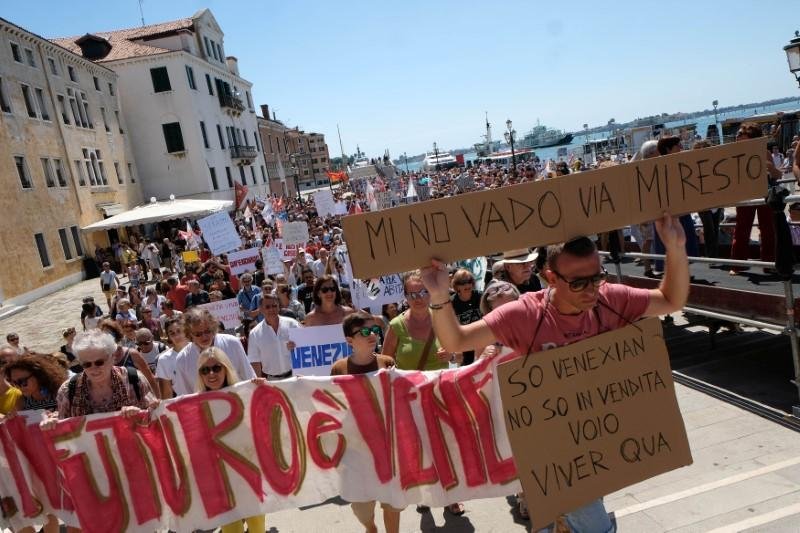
516 266
578 304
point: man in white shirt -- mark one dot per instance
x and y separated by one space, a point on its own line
320 264
203 333
268 346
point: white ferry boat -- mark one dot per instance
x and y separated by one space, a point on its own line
442 160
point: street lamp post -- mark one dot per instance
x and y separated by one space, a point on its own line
406 158
435 154
510 136
295 167
793 56
715 103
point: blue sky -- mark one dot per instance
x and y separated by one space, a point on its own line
401 75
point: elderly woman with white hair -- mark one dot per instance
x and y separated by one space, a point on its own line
101 387
645 233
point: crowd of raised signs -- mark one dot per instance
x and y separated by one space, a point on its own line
190 320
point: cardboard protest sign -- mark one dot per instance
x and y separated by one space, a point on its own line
243 261
592 417
318 347
554 210
190 256
273 260
423 192
226 311
288 251
208 459
295 232
219 233
376 292
323 201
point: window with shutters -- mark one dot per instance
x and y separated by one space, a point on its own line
173 137
42 247
22 172
62 235
214 183
160 78
76 240
205 135
47 171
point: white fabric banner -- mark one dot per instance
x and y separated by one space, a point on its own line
295 232
243 261
219 233
209 459
226 311
317 348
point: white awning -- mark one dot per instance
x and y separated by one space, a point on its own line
158 211
111 209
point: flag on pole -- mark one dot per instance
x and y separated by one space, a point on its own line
239 193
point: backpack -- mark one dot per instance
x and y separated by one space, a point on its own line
133 379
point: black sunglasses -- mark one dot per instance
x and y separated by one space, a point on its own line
366 332
88 364
579 284
327 289
206 370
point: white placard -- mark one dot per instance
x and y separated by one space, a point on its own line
288 251
323 200
273 260
317 348
341 207
226 311
243 261
384 199
219 233
294 232
375 293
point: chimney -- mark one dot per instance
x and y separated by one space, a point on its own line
233 65
265 111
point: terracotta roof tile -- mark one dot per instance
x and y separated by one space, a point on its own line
123 41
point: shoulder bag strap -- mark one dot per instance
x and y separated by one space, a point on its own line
426 351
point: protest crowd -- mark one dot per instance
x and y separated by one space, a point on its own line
179 319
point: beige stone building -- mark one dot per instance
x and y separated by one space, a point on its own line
293 157
64 163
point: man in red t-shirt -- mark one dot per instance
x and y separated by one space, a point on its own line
577 305
177 294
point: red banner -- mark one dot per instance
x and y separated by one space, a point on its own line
240 193
336 177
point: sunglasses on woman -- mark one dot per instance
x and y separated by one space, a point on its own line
366 332
206 370
327 289
89 364
418 295
580 284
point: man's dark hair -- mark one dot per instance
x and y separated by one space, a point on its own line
577 247
355 321
666 144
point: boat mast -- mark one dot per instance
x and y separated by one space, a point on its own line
488 134
341 147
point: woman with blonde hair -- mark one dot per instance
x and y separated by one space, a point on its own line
214 372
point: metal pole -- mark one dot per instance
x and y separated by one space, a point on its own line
791 330
513 156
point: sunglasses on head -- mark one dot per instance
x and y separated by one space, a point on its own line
22 382
579 284
89 364
418 295
206 370
499 288
327 289
366 332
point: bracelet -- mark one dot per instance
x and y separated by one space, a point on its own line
436 307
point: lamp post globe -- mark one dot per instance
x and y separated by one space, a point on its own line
793 56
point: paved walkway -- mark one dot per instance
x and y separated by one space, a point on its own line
39 326
745 476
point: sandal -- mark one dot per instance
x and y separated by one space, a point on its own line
456 509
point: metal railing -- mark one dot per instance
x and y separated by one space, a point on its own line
243 152
231 101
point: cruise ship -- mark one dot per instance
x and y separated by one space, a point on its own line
441 161
541 137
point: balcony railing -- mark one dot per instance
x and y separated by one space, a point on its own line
244 152
231 101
